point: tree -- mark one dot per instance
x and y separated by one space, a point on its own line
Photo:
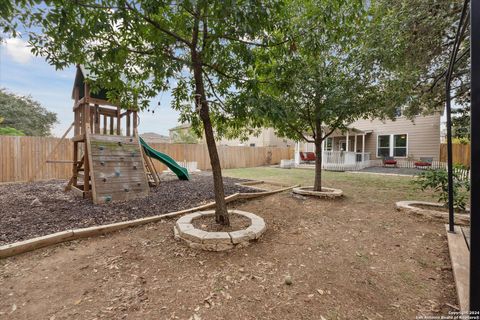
413 41
9 131
185 136
25 115
461 123
201 50
325 78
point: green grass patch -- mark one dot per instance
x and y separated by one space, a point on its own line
363 186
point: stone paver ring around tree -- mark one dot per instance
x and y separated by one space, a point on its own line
329 193
218 241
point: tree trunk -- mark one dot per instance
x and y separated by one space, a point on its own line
221 213
317 186
318 165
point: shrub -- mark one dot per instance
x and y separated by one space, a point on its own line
9 131
437 180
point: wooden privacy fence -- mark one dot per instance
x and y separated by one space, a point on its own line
21 157
460 153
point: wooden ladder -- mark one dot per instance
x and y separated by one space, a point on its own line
152 174
78 173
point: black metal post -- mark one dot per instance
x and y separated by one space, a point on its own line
475 157
448 79
451 219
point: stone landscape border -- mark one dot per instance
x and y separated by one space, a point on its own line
16 248
460 258
218 241
408 206
329 193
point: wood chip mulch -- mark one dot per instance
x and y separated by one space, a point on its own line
29 210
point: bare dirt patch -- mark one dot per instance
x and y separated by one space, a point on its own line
35 209
267 186
207 223
351 259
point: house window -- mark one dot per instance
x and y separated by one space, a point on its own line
392 145
329 144
252 144
399 111
400 145
383 149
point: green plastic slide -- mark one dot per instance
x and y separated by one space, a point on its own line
181 172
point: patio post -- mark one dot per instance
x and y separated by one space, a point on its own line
296 156
355 144
346 146
363 147
323 148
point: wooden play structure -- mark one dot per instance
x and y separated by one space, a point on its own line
108 160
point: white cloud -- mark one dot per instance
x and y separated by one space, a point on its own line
18 50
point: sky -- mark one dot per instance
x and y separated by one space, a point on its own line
24 74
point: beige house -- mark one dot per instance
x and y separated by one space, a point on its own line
178 131
152 137
265 138
368 140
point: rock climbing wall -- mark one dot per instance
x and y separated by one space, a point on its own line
117 168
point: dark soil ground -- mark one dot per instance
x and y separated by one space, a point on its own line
34 209
207 223
348 259
352 258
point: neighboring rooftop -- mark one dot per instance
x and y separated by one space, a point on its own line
181 126
154 137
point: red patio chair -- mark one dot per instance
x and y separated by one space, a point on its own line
311 156
303 157
424 163
389 161
307 156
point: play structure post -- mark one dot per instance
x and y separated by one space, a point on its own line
135 123
119 119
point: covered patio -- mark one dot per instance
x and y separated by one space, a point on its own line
342 150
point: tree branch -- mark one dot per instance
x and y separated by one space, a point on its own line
151 52
205 34
157 25
300 133
251 43
222 73
211 85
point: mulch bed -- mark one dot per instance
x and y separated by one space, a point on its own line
30 210
207 223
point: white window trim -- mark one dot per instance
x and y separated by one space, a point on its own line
406 145
389 144
326 144
391 147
